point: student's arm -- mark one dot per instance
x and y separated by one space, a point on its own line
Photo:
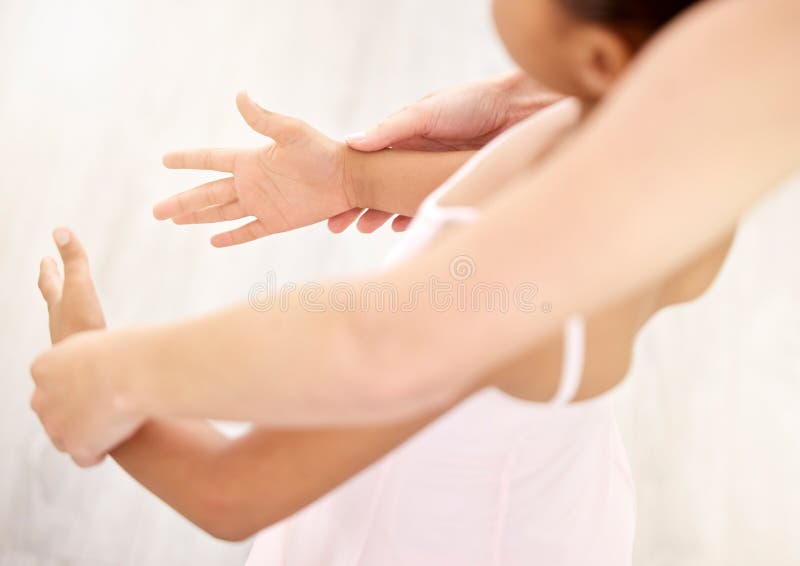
399 180
660 171
234 488
300 178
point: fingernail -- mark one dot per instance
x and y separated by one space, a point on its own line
356 137
61 237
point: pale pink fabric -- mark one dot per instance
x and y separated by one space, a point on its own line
495 482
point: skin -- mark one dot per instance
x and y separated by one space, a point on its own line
455 119
301 177
97 388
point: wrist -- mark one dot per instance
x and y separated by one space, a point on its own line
357 189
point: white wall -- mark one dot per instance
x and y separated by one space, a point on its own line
92 92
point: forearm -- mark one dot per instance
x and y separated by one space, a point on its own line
277 364
178 461
398 180
234 488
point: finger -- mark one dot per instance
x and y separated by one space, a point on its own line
372 220
247 233
76 263
401 223
282 129
50 281
217 159
222 213
341 222
406 124
221 191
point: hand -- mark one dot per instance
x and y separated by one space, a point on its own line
72 302
64 380
78 398
296 180
463 117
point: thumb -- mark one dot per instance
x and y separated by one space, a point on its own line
76 263
280 128
404 125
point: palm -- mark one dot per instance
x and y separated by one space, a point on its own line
296 181
294 185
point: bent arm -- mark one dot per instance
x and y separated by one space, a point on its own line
660 171
234 488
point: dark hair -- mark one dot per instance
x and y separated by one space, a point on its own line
637 18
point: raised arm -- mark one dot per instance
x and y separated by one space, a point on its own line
661 171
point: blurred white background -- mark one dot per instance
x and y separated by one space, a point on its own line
93 92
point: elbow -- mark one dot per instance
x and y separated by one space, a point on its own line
226 521
227 533
227 513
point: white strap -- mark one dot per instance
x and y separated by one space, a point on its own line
460 214
573 361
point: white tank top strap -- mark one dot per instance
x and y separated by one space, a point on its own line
458 214
573 361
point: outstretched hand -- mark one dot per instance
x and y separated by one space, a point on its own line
297 179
